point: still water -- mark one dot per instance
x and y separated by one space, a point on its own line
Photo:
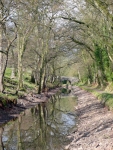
44 127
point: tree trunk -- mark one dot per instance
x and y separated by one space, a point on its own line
1 74
40 81
41 73
13 72
44 82
5 45
1 61
21 49
33 78
100 78
44 78
20 73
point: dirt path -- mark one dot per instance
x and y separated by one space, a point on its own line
95 124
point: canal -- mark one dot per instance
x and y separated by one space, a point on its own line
44 127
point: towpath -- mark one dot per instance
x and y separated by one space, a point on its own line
95 124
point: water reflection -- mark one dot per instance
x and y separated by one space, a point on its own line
1 142
44 127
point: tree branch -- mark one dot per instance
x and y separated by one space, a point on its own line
74 20
83 44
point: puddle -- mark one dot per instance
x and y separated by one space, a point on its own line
44 127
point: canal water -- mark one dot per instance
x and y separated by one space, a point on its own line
44 127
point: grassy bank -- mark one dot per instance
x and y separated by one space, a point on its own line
9 97
104 94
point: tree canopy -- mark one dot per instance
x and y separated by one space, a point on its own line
47 37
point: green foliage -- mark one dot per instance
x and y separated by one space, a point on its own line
7 98
107 99
65 91
8 72
103 63
10 81
105 59
98 55
11 84
11 87
101 57
21 94
64 82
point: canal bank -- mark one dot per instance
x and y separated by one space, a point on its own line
95 124
25 102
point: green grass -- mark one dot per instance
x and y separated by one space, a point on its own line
107 99
7 97
12 83
8 72
80 83
105 96
11 87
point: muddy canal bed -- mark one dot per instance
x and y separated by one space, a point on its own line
45 127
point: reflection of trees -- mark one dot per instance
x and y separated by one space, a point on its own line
1 143
19 142
44 131
55 100
50 136
54 123
9 135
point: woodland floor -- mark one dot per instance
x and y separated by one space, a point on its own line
28 101
95 124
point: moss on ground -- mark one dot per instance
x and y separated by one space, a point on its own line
11 87
6 99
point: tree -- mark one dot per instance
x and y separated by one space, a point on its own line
93 17
5 41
